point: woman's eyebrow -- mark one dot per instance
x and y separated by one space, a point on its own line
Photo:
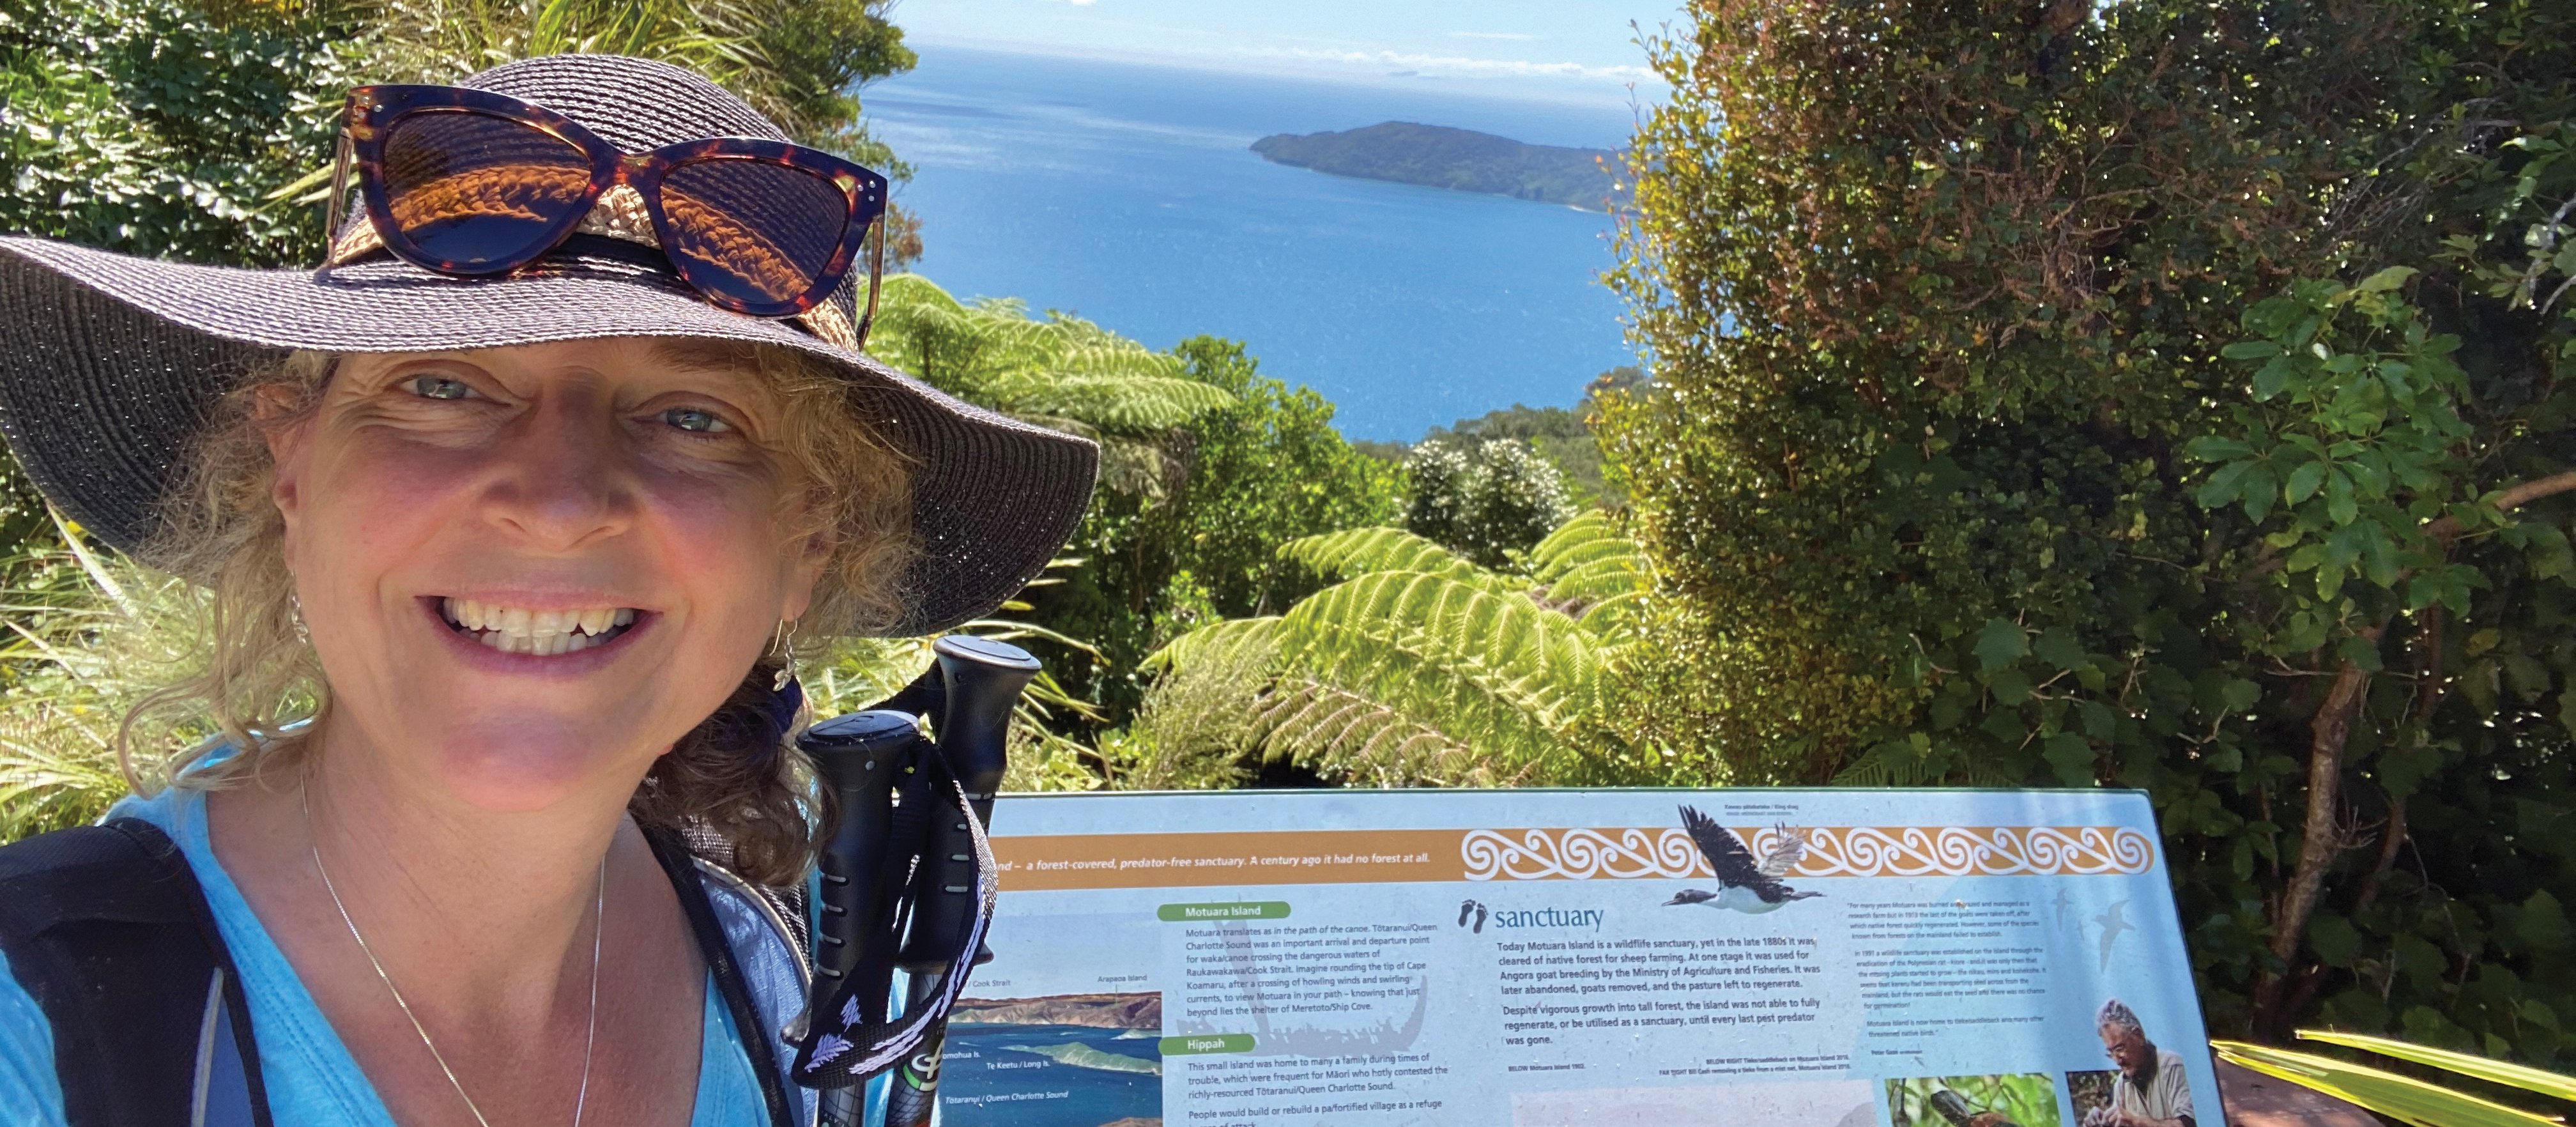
701 355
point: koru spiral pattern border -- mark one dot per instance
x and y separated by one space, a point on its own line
1832 851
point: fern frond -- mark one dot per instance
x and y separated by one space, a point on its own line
1230 641
1498 671
1608 576
1570 541
1117 402
1355 552
1062 372
1589 569
913 295
1341 735
1606 618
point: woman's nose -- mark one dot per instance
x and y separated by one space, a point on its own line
561 482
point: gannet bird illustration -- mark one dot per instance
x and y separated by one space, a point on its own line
2113 923
1743 885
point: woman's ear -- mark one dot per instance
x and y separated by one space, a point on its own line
280 413
804 573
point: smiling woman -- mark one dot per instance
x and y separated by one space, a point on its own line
506 571
463 464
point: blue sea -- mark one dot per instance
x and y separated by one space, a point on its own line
1126 194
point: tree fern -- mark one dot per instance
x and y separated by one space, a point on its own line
1061 372
1420 666
1487 669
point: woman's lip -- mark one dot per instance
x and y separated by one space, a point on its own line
580 661
521 600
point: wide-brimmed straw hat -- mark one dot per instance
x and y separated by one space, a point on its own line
110 364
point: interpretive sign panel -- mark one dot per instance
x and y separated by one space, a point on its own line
1824 958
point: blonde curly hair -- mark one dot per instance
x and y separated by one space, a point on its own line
732 778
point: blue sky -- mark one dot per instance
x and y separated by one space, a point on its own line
1554 49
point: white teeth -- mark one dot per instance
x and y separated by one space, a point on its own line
544 633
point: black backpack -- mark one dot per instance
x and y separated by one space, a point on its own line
105 927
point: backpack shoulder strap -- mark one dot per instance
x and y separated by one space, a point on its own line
106 928
682 868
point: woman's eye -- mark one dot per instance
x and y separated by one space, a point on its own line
439 387
695 421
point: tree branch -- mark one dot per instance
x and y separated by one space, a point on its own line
2319 839
2514 498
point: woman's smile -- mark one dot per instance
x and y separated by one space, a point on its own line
542 633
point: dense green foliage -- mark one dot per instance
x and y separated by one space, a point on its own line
1463 160
1996 438
168 128
1246 479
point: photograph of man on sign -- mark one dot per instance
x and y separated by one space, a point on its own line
2150 1089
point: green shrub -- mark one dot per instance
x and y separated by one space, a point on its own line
1996 439
1489 499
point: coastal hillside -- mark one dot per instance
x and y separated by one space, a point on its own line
1099 1011
1437 156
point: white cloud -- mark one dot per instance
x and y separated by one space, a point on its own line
1453 66
1518 35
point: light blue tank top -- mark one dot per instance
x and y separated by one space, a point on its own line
312 1079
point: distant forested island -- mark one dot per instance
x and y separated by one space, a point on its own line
1464 160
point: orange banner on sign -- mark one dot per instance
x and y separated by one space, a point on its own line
1186 860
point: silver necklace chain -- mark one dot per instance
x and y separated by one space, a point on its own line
598 915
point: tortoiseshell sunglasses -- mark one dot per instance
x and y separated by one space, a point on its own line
468 182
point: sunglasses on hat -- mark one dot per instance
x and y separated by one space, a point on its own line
469 183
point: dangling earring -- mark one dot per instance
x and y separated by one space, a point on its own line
783 643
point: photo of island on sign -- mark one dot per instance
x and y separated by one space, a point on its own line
1065 1060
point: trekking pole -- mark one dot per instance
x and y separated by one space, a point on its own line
858 756
982 680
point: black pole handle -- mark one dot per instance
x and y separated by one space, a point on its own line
981 681
857 757
905 878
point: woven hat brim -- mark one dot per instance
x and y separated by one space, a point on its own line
110 365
